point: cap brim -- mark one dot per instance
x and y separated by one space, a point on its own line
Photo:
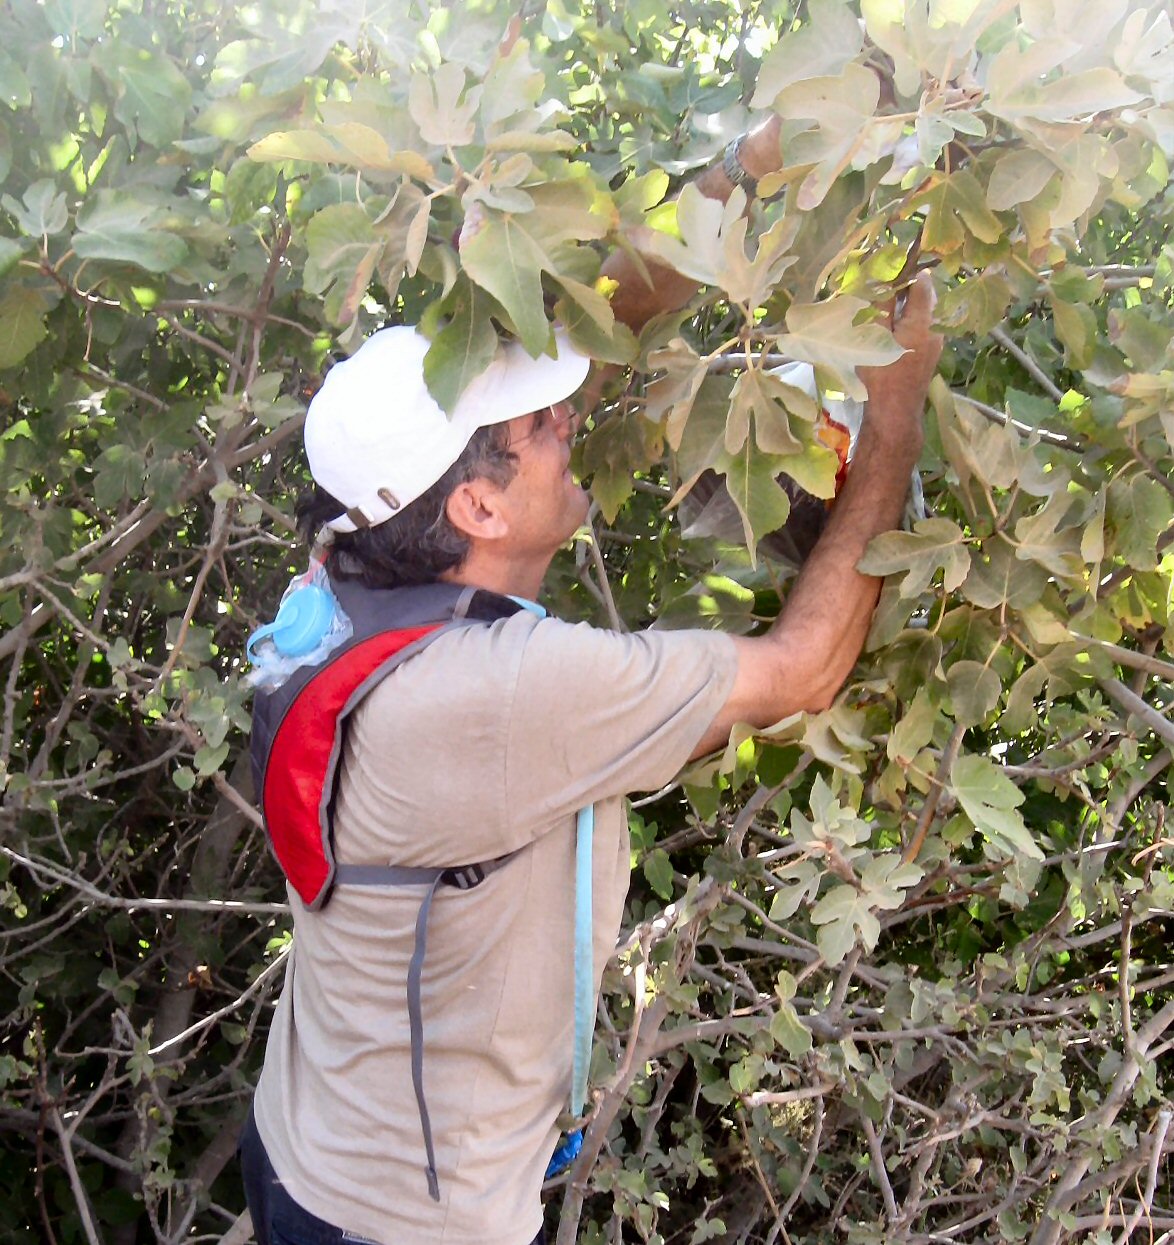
515 383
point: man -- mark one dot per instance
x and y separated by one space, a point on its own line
487 742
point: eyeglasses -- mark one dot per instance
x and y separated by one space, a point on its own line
552 419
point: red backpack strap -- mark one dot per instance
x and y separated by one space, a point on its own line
298 779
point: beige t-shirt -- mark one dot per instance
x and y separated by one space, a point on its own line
490 739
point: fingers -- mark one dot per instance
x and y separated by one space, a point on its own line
920 299
889 308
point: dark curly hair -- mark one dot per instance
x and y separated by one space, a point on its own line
417 545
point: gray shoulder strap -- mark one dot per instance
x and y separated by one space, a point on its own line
462 877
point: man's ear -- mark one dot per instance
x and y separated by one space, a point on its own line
475 509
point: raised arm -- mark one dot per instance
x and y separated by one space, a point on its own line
638 298
802 662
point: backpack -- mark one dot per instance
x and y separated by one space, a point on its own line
298 728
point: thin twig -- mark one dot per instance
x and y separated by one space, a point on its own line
1030 366
1157 1150
879 1170
1001 417
609 601
228 1009
937 788
41 869
80 1196
216 541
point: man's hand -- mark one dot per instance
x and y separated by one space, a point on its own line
896 393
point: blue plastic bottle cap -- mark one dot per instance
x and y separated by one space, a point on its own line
303 621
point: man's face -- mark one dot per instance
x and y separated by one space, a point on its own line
546 505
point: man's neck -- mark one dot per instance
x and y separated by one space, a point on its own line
508 579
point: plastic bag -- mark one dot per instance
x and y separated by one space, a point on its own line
310 624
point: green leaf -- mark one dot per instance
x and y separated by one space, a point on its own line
601 337
1139 511
281 61
976 304
764 398
114 227
703 438
762 502
248 187
153 95
342 249
527 140
14 82
42 213
208 759
1077 328
670 398
933 544
624 443
568 211
658 869
502 256
974 691
801 883
139 1064
790 1032
914 730
956 209
436 104
351 144
592 303
991 801
1038 538
711 246
834 736
118 475
822 47
825 335
884 879
997 578
84 18
814 469
22 323
1142 48
704 226
925 38
1144 342
512 89
463 349
1017 89
846 133
1018 176
842 915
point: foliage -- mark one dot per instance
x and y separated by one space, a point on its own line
893 972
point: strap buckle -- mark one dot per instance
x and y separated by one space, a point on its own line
464 878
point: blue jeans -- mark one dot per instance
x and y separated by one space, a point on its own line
277 1218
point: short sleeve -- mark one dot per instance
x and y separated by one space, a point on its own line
597 714
495 734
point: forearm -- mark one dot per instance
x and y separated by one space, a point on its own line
829 610
641 294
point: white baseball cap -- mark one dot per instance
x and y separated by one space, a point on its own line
376 438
